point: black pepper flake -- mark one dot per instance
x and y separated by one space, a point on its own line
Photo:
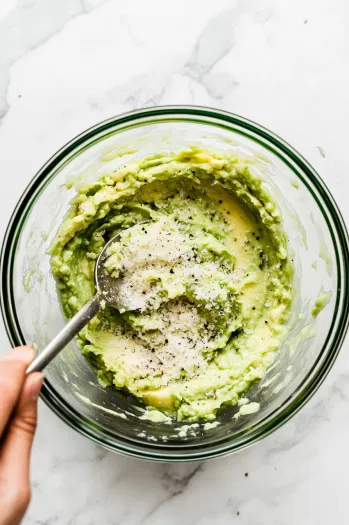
220 202
253 307
246 474
171 271
266 322
257 238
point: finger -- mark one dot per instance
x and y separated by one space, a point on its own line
15 451
12 374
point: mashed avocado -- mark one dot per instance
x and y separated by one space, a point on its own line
206 269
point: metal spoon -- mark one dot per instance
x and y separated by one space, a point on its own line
107 291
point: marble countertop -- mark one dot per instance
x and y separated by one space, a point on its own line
67 64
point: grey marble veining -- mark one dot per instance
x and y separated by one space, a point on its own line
67 64
29 24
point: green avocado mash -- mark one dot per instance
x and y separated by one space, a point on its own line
205 268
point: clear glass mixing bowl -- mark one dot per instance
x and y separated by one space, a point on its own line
317 238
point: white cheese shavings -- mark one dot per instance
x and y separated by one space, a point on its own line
161 273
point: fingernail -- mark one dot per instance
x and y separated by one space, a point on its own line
36 381
21 353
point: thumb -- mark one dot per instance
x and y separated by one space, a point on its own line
15 453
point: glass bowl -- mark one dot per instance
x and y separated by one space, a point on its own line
317 239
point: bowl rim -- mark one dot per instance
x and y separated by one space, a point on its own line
309 385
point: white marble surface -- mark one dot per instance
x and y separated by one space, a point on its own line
67 64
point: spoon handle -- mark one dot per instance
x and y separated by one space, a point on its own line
67 333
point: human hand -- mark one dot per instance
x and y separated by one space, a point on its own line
18 414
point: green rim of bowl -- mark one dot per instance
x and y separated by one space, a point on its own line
301 168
